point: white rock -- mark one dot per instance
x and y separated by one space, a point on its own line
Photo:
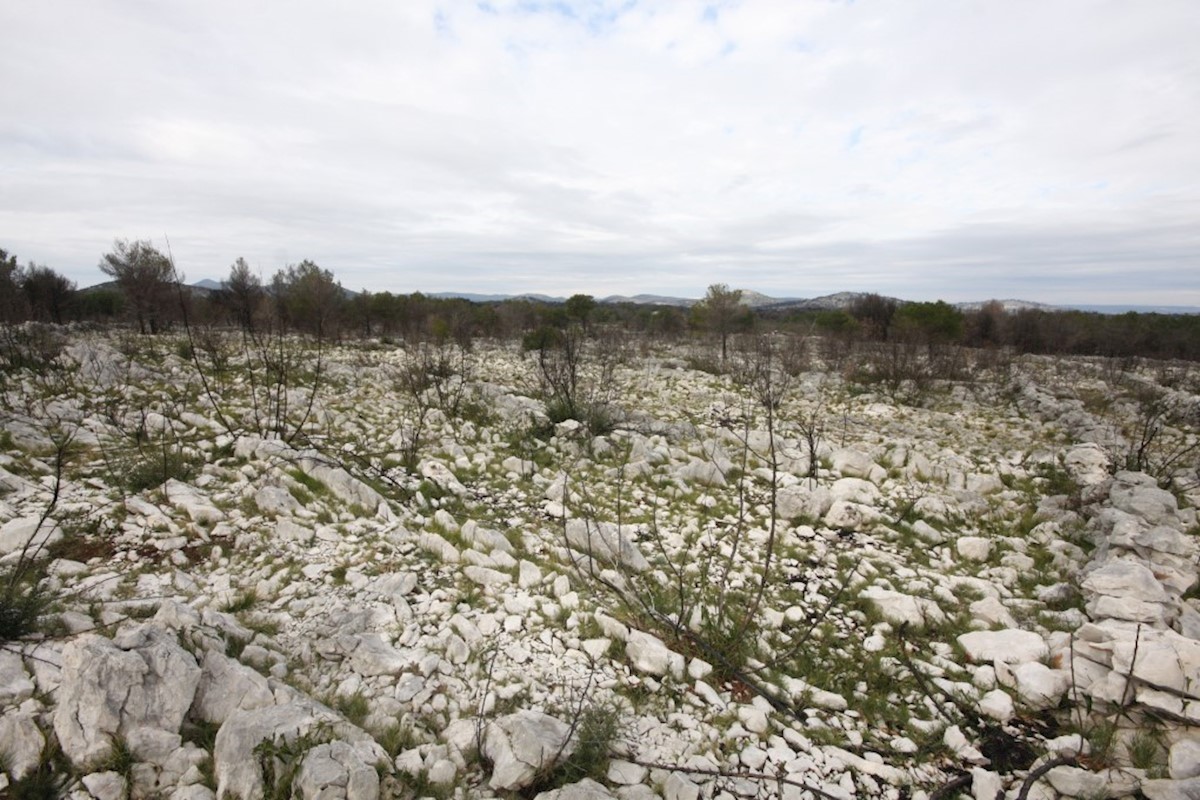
1125 579
237 765
15 683
105 785
372 656
190 500
30 533
856 464
997 705
625 773
844 515
607 542
226 686
1184 759
336 769
900 609
753 757
21 743
678 787
650 655
802 501
442 772
973 548
1187 789
855 490
1161 658
1087 464
1152 504
985 784
753 718
276 500
1077 782
485 576
992 611
1039 686
523 744
1008 646
954 739
108 691
528 575
586 789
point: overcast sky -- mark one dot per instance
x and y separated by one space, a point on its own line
1039 149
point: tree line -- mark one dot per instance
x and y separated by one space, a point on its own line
147 292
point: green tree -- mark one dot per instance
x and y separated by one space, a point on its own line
721 312
11 307
48 294
931 323
309 298
244 293
874 315
579 308
144 276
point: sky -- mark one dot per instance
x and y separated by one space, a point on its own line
925 149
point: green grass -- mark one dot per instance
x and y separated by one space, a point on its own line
244 601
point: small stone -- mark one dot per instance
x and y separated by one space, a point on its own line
973 548
985 784
997 705
625 773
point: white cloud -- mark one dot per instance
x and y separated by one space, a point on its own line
637 146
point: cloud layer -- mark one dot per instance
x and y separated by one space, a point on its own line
923 149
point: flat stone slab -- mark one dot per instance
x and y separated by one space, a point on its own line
1009 646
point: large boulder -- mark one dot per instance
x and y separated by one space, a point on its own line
606 542
336 771
226 686
142 679
295 732
1137 494
522 745
1011 646
31 534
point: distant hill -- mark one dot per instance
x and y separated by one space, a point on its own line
753 299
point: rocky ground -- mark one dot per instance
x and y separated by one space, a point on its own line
315 575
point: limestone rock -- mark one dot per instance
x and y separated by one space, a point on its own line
586 789
650 655
237 765
802 501
21 743
1188 789
31 533
1184 759
522 744
1136 494
226 686
607 542
1087 464
973 548
1010 646
1039 686
15 683
334 771
900 609
109 690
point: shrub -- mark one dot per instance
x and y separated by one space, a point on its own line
154 465
24 601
